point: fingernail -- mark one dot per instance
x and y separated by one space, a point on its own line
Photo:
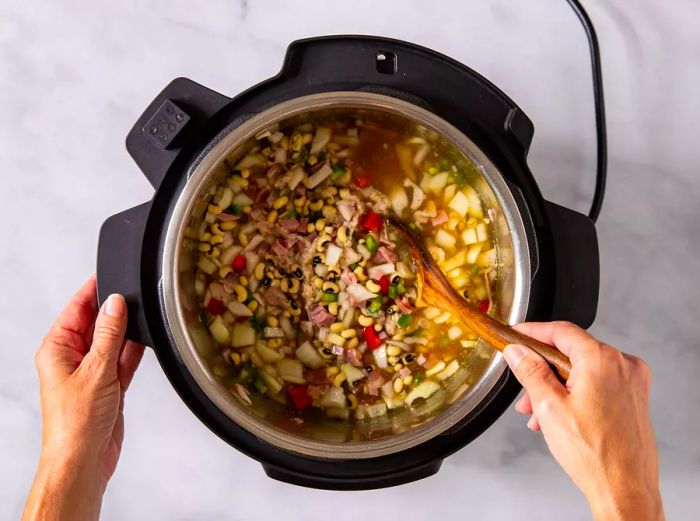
114 306
514 353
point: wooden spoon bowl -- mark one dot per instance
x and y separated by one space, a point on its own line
435 290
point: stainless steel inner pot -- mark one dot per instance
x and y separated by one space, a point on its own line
326 438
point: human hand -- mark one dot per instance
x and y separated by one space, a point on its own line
84 369
596 426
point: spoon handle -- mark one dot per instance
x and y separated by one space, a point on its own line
438 292
498 335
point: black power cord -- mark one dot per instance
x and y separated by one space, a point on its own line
601 135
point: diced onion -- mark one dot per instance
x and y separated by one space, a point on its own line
243 335
475 209
321 138
291 371
296 175
309 356
242 199
335 397
287 327
455 261
352 373
319 176
445 239
448 371
399 200
460 204
380 357
422 390
346 209
229 254
388 389
220 332
469 236
206 265
366 254
268 354
239 309
360 293
273 332
377 272
333 255
251 159
254 242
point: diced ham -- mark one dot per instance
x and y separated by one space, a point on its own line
303 222
385 255
404 305
352 357
320 315
261 195
440 218
226 217
374 382
421 359
279 248
290 224
404 372
316 376
271 173
348 277
275 297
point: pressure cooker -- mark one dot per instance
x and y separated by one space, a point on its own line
550 252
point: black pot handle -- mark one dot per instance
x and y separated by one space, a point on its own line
577 265
330 482
169 122
119 266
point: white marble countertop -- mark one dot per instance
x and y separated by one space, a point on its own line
75 75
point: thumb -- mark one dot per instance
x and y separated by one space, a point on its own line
110 327
534 374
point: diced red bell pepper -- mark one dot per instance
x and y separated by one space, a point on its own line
484 305
384 283
372 221
371 337
215 306
300 396
362 181
238 263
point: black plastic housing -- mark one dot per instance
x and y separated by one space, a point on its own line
564 287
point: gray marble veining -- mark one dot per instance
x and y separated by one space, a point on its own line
74 76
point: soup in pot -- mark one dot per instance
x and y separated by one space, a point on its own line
311 297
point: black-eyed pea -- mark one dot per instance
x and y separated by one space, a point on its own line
228 225
259 272
280 202
241 293
393 350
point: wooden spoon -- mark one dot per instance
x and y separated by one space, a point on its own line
434 290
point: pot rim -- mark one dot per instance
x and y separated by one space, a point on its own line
198 175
